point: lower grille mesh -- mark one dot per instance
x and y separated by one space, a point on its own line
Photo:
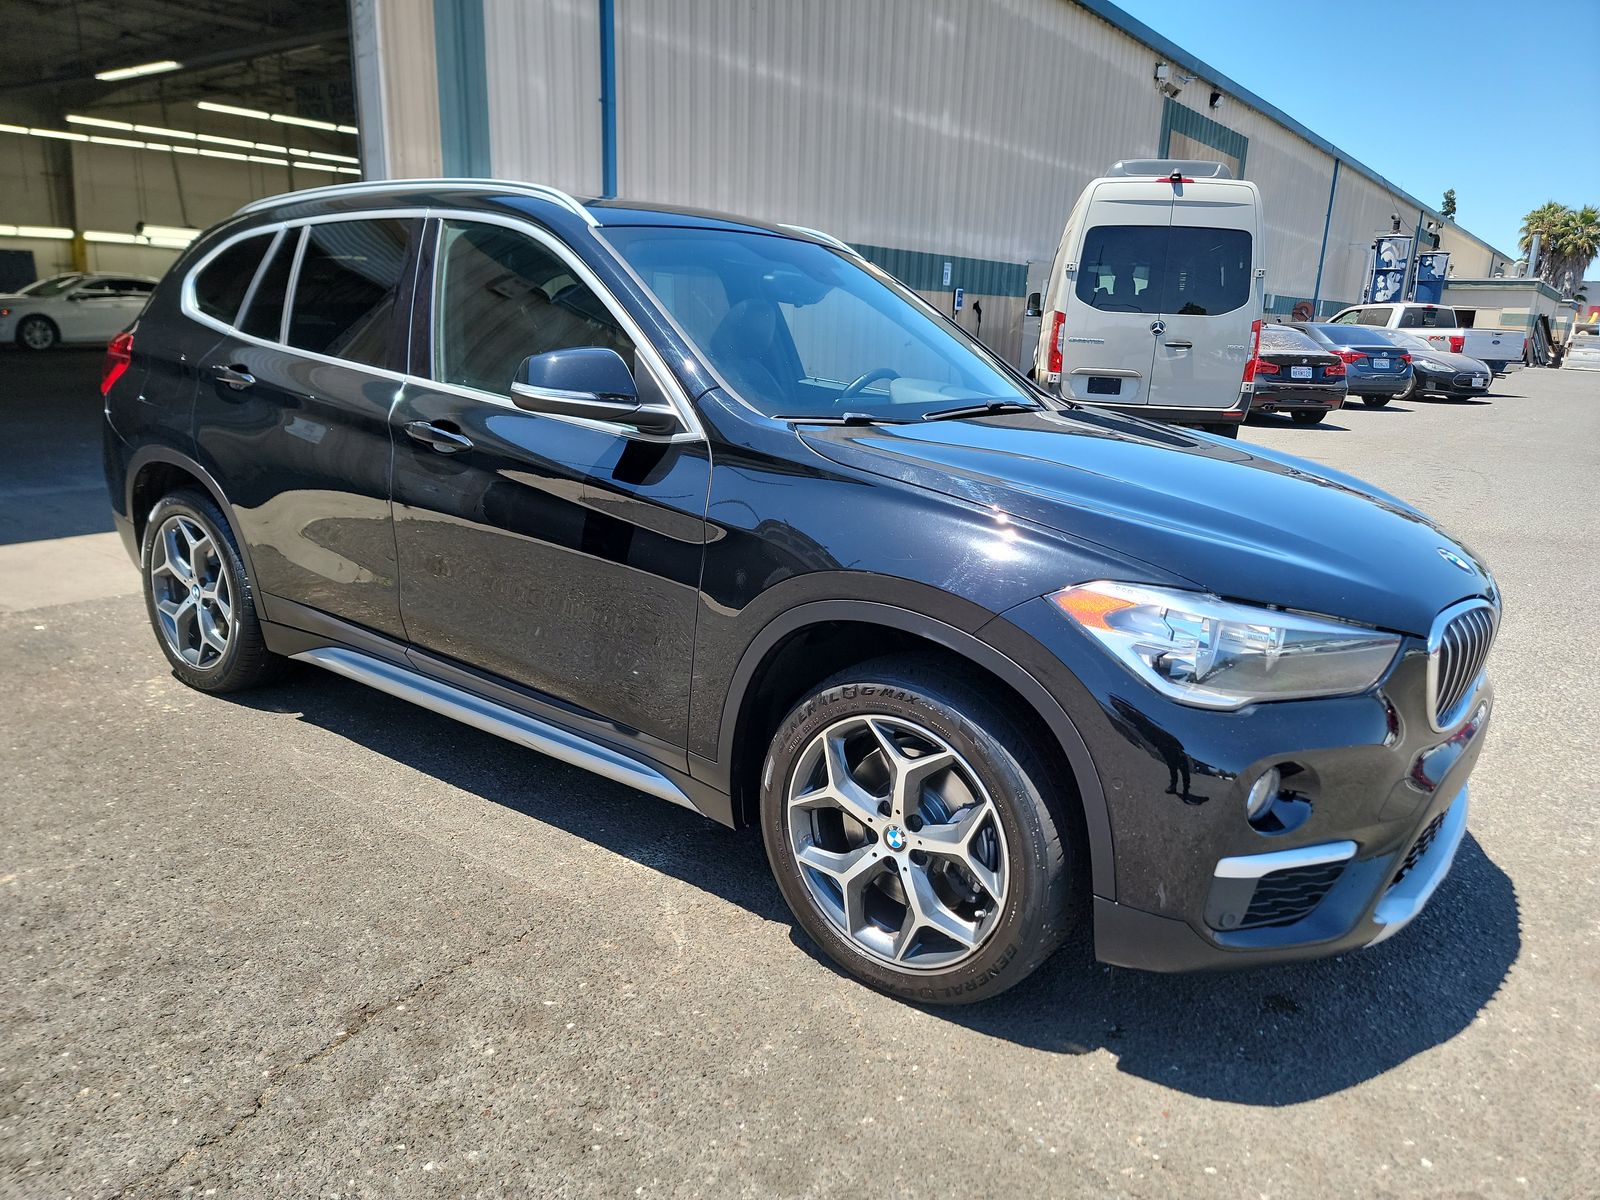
1418 849
1283 897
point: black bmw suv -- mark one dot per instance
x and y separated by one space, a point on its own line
720 511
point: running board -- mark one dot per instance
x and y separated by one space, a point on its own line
497 719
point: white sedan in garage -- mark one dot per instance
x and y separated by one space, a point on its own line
64 309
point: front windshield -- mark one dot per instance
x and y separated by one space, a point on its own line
800 331
53 286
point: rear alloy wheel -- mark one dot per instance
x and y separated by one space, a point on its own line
908 841
199 599
1379 401
37 333
1308 416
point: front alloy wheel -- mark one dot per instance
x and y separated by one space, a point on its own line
897 841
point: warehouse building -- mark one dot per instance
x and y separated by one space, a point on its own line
946 139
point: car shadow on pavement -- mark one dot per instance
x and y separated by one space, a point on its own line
1263 1036
1281 421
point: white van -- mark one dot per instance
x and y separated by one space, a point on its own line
1155 295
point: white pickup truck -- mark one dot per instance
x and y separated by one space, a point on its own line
1438 324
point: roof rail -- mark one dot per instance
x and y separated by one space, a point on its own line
825 237
554 195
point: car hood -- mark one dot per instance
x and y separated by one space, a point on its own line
1235 520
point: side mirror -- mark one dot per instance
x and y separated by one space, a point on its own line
1035 305
588 382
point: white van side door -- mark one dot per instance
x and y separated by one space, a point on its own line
1210 294
1105 292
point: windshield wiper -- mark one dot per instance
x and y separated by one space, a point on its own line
988 408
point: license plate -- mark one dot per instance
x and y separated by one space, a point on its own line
1479 381
1299 372
1380 364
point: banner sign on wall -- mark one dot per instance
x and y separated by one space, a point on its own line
1386 278
1431 267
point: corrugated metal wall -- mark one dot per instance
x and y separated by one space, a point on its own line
925 130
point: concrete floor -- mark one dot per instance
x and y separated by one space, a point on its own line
314 942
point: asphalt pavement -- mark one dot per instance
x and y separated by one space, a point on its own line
311 941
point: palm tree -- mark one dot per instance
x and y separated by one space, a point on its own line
1544 221
1569 241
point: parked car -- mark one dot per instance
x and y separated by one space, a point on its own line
1293 374
1154 299
1440 325
1375 369
1583 349
717 510
73 308
1436 373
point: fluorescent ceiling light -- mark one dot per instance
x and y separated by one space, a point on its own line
106 235
348 129
97 122
271 162
311 166
286 119
218 140
344 158
61 135
348 170
160 132
224 154
180 232
149 68
111 141
233 110
36 231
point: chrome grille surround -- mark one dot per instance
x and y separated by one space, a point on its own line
1458 646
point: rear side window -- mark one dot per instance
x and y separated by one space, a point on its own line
348 286
220 286
1428 318
1178 270
1374 316
264 318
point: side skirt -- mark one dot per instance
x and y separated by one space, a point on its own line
484 714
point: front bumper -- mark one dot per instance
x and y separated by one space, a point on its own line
1368 784
1452 383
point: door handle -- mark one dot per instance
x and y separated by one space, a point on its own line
445 441
1181 345
235 376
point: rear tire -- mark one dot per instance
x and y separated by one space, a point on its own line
1375 401
199 597
1309 416
944 883
37 333
1227 429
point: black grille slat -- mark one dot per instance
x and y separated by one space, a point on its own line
1284 897
1418 848
1463 647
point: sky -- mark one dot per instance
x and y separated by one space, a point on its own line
1486 98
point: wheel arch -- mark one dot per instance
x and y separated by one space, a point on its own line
157 471
747 703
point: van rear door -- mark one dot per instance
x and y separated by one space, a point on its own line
1106 295
1209 296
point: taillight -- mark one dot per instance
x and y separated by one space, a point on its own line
1266 368
118 355
1351 356
1457 342
1251 363
1406 358
1334 370
1058 342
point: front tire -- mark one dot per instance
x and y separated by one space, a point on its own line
1377 401
37 333
915 835
199 598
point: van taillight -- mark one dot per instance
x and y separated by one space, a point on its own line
1457 342
1058 343
1251 364
118 355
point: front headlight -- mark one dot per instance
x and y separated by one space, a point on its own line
1427 364
1204 651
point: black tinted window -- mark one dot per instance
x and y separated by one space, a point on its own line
1428 318
1352 335
221 285
1180 270
348 285
264 318
500 297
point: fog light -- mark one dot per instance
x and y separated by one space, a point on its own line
1262 793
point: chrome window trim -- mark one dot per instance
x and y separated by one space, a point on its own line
288 295
1254 866
274 237
1444 722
